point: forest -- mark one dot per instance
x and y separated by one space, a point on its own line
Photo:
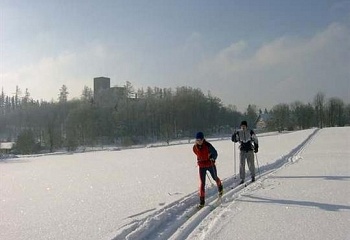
146 116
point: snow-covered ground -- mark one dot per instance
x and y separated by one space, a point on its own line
302 192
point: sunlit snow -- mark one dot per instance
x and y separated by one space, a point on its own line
301 192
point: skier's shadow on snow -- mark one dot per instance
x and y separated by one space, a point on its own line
342 178
324 206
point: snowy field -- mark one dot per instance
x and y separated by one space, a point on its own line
302 192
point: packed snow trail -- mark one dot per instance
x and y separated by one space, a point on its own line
173 221
308 200
96 195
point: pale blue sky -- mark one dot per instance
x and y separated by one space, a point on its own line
258 52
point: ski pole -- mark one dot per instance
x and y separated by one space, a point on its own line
209 179
257 162
214 170
234 159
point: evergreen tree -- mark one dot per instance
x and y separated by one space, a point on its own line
319 103
26 143
63 95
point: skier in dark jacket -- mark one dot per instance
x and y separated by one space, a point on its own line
248 143
206 156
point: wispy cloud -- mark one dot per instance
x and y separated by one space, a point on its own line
284 70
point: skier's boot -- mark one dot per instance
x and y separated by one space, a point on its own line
253 179
221 190
201 202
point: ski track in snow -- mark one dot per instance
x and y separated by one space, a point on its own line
181 219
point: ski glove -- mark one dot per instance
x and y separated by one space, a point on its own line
234 137
256 148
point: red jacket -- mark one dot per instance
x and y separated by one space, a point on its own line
204 153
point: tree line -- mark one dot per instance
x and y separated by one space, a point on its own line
320 113
155 114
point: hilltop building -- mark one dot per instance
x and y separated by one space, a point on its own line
101 85
106 95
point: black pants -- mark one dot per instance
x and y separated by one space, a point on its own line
202 177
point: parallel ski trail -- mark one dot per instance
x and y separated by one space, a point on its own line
180 218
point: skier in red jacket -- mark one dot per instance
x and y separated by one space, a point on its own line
206 156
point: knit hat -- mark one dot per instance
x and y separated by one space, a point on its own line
199 135
244 123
